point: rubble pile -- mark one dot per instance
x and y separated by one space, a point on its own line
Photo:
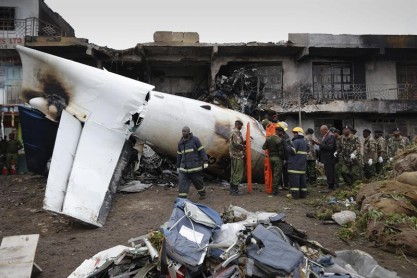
241 91
196 241
384 211
152 170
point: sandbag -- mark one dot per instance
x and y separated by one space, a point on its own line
388 187
408 178
406 164
404 240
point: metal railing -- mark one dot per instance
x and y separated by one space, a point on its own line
33 26
10 94
310 95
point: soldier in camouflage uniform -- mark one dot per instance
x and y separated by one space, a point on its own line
369 154
311 157
338 165
237 153
275 146
396 143
350 154
381 150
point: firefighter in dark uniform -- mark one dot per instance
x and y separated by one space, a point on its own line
297 163
191 160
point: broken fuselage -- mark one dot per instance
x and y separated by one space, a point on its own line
98 111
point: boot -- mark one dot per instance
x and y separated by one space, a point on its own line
234 190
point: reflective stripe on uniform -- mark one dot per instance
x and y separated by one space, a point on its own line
200 148
182 195
185 151
301 152
202 189
303 189
294 188
296 172
191 170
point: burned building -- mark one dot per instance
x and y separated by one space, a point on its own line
365 81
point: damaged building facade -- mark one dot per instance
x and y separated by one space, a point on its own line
365 81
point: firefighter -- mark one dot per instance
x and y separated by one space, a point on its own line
191 160
297 163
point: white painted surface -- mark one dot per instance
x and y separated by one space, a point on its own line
17 254
69 132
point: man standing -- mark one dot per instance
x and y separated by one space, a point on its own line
396 143
191 159
275 146
369 154
297 162
237 154
311 157
381 150
350 153
327 149
12 148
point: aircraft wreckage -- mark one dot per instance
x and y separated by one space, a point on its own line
98 113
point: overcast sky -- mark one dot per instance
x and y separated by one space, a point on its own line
121 24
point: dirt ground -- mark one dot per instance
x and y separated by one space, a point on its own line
64 244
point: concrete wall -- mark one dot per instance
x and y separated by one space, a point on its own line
24 8
296 74
381 77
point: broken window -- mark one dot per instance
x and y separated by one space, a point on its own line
7 17
335 81
271 76
407 81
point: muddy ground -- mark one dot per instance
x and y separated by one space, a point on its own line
64 245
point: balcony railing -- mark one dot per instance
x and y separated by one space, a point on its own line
309 95
20 28
10 94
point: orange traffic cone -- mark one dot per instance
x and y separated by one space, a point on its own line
12 168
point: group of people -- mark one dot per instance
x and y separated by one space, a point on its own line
293 160
9 154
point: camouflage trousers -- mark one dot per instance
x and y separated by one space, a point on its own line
369 171
337 172
351 173
236 173
311 171
276 166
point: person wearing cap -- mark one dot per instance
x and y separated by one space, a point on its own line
396 143
191 160
237 153
297 163
311 156
369 154
381 150
350 154
275 146
265 121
